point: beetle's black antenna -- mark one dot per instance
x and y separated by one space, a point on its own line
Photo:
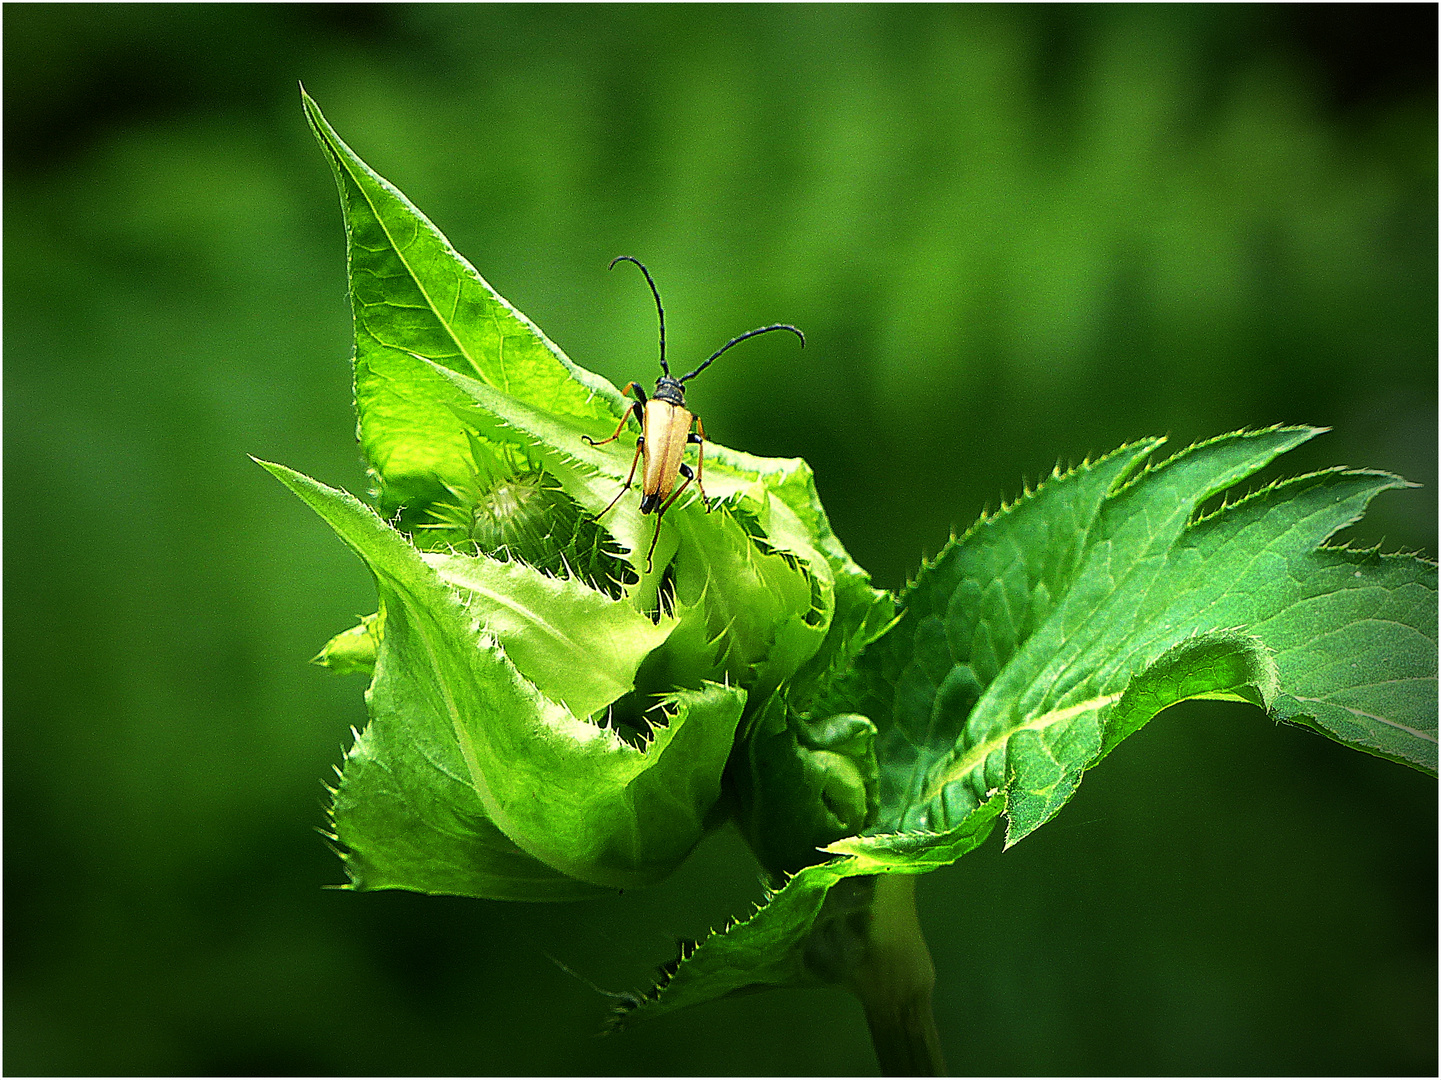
654 292
736 340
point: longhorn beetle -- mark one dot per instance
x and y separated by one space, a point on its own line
665 427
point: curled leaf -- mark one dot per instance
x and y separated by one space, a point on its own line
569 793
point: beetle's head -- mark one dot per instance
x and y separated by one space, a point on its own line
669 390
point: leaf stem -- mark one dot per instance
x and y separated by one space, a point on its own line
894 982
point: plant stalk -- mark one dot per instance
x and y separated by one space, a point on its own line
894 982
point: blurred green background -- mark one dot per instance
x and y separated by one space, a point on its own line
1013 235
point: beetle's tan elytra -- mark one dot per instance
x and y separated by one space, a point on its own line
665 425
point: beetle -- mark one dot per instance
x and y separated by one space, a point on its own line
665 425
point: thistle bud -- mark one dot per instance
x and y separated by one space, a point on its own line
524 516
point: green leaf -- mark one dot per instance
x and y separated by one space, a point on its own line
1056 628
568 793
406 815
967 613
800 936
757 605
412 292
858 613
577 645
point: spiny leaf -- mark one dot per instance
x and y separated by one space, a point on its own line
1021 672
755 603
789 941
577 645
967 612
858 612
569 793
407 817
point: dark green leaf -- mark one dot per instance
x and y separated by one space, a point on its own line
794 938
1051 631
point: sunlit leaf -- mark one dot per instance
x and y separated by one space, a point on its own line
570 793
411 292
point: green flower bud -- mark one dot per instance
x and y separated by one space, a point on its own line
525 517
352 652
805 784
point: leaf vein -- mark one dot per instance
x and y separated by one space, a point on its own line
1425 735
977 754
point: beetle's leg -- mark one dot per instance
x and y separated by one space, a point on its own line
634 410
684 470
618 429
699 440
639 446
654 537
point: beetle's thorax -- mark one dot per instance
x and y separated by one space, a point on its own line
669 390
